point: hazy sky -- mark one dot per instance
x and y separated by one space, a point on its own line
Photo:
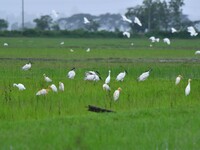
11 9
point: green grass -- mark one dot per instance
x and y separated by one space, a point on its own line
154 114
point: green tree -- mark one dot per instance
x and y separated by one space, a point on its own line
44 22
3 24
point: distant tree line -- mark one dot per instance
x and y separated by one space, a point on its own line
157 16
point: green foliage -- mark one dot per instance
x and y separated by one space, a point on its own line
44 22
3 24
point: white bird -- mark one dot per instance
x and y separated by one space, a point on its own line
178 79
88 50
106 87
192 31
132 44
127 34
47 79
144 75
71 74
108 78
166 40
92 76
54 14
153 39
26 66
173 30
62 43
5 44
121 76
61 86
124 18
71 50
197 52
20 86
187 89
86 21
42 92
137 21
54 88
116 94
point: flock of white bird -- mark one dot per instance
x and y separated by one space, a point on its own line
94 75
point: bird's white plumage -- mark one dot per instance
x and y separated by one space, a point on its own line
71 74
88 50
71 50
108 78
61 86
192 31
20 86
173 30
187 89
106 87
178 79
62 43
124 18
42 92
26 66
86 21
197 52
54 88
167 40
144 76
137 21
121 76
127 34
91 76
116 94
5 44
47 79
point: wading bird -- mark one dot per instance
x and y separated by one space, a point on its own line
108 78
106 87
92 76
5 44
54 88
62 43
178 79
197 52
88 50
86 21
26 66
124 18
127 34
47 79
173 30
42 92
20 86
71 74
121 76
144 75
167 40
137 21
192 31
116 94
61 86
187 89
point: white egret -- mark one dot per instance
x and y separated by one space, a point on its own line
144 75
178 79
108 78
54 88
132 44
124 18
197 52
173 30
62 43
5 44
121 76
92 76
71 50
153 39
61 86
116 94
86 21
137 21
42 92
47 79
106 87
26 66
71 74
187 89
20 86
88 50
192 31
167 40
127 34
